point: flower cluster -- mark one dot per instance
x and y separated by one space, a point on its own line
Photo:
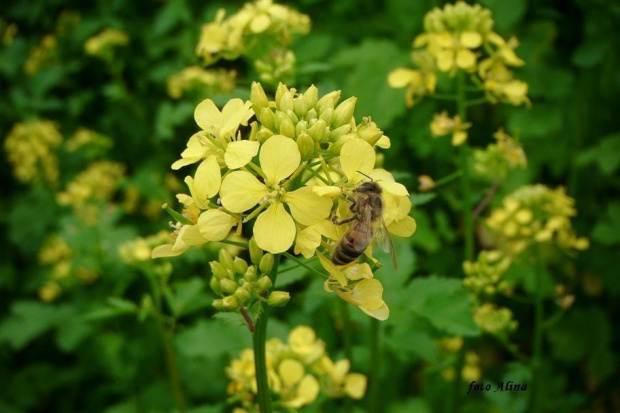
484 276
448 348
460 37
41 55
443 124
535 214
30 147
494 320
287 172
497 159
195 77
94 185
297 370
105 42
90 140
139 250
262 31
8 31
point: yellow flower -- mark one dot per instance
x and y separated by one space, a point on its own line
443 124
275 229
304 344
105 41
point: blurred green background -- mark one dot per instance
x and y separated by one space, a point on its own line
92 348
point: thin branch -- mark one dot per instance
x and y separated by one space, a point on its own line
487 199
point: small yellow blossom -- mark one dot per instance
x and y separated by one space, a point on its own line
443 124
195 77
498 158
41 55
105 41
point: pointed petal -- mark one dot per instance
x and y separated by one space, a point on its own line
240 153
274 230
306 207
279 157
382 313
208 116
357 155
194 152
241 191
215 225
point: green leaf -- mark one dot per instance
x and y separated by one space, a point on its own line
607 230
506 13
443 302
29 320
189 297
212 339
421 199
604 154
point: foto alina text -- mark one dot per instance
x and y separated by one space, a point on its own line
509 385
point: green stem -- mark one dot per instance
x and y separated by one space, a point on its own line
538 335
447 179
303 264
260 360
375 366
346 330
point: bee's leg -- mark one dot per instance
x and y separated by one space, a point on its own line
350 199
337 221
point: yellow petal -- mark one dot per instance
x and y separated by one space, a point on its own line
306 207
308 240
465 59
384 142
291 371
194 152
382 313
459 137
332 270
445 60
401 77
327 191
240 153
274 230
308 389
241 191
208 117
215 225
206 182
357 155
166 250
235 113
358 272
260 23
403 228
355 385
190 234
279 157
368 294
471 40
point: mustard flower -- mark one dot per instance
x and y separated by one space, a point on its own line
443 124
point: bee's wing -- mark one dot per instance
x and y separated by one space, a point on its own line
384 241
363 231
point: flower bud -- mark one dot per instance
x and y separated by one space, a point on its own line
266 263
311 96
228 286
287 128
312 114
255 252
264 283
226 259
258 97
280 117
250 274
344 112
218 270
327 116
267 118
318 131
263 135
338 132
230 303
215 286
218 304
300 106
305 143
242 295
369 132
240 265
328 101
280 91
278 298
425 183
292 116
337 146
286 102
301 127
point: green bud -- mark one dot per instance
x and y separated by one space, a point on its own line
214 283
226 259
301 127
305 143
280 91
338 132
267 118
287 128
258 97
312 115
337 146
369 132
263 135
489 290
328 101
250 274
278 298
344 112
218 270
266 263
280 117
230 303
292 116
240 265
228 286
318 131
286 102
311 96
255 252
327 116
300 106
218 304
242 295
264 283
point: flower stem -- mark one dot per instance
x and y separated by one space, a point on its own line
375 366
538 332
260 360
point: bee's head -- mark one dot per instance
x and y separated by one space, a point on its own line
371 186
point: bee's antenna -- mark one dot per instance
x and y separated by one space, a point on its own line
371 180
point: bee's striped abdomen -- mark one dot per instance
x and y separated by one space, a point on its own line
345 251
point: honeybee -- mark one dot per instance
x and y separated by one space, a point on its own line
367 208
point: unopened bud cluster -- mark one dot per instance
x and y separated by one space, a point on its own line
494 320
484 276
240 284
207 81
498 158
